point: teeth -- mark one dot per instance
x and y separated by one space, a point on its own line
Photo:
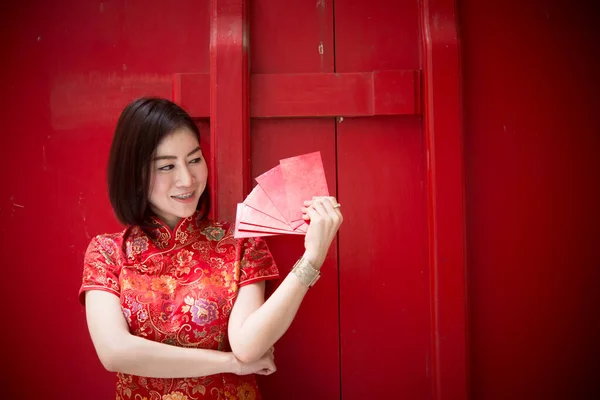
185 196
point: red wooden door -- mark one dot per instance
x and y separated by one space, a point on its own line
342 78
355 80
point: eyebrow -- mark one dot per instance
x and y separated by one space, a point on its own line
174 157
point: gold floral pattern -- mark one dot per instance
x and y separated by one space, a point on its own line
178 287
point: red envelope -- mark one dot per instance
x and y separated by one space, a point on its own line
238 234
304 178
273 207
250 216
258 200
273 184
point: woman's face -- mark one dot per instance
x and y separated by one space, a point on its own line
178 177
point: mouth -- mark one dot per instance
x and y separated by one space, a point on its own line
184 196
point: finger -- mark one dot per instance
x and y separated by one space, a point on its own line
334 205
264 371
319 207
334 213
312 214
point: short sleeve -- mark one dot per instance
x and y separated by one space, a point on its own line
257 263
100 267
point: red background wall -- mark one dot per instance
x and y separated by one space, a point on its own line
531 141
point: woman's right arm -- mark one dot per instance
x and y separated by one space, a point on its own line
120 351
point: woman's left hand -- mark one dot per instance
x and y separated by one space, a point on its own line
324 217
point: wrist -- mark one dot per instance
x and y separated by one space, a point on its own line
315 260
234 366
305 272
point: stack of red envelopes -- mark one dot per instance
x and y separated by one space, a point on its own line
274 207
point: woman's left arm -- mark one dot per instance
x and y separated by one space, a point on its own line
255 325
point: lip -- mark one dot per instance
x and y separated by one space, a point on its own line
188 200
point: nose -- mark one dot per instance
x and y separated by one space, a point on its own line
184 177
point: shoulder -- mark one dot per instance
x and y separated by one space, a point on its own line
109 245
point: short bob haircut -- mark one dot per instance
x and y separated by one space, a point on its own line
143 124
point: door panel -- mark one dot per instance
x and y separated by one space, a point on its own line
287 38
384 274
384 269
308 354
376 35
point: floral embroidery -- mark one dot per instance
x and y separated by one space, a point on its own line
136 246
175 396
142 316
139 245
246 392
127 313
164 284
182 261
204 312
179 292
157 384
215 280
168 309
213 233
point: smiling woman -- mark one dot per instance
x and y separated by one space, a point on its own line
149 131
178 177
174 303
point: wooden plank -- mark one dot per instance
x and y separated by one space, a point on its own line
384 285
192 92
229 120
295 37
272 140
314 95
383 243
446 199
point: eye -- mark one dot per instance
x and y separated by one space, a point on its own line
196 160
167 167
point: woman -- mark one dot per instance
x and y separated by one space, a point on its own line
175 305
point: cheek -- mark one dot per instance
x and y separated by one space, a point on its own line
160 185
201 172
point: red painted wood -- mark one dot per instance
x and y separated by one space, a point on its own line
532 171
192 92
308 354
383 244
441 124
229 119
384 272
309 95
70 69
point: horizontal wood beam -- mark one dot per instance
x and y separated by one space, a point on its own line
313 95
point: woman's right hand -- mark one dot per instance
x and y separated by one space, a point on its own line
324 218
264 366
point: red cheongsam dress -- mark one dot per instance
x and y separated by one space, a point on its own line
178 287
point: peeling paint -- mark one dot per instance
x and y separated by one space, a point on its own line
321 4
321 52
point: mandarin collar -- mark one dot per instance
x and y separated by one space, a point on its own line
164 236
